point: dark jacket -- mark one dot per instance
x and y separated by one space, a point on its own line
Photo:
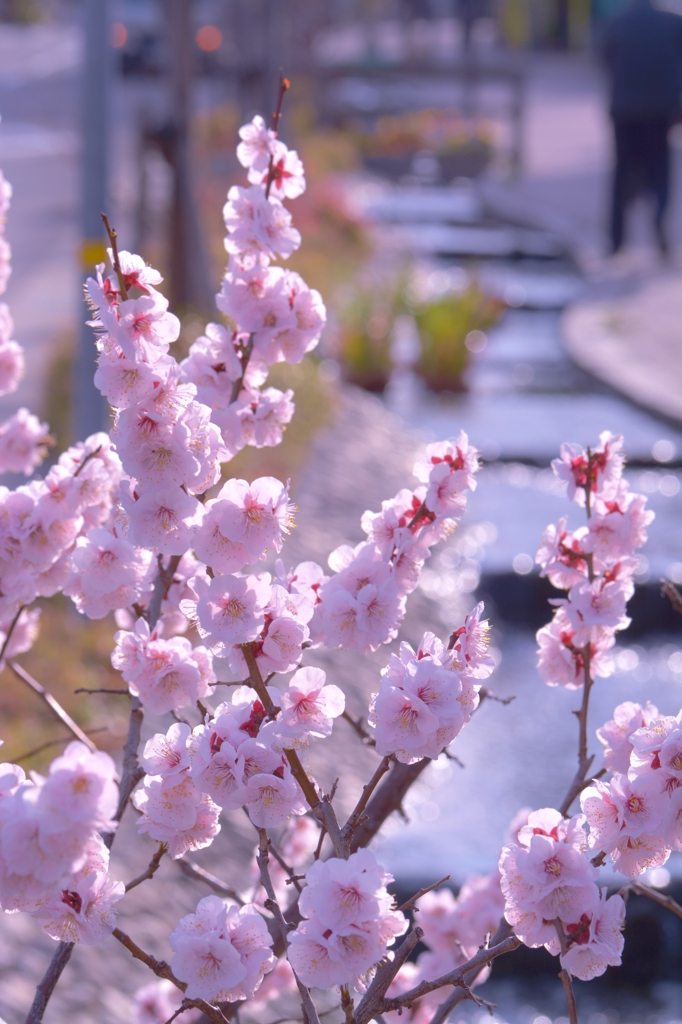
642 50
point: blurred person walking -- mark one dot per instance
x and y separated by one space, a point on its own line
642 50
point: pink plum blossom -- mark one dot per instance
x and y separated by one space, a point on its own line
615 734
595 942
222 951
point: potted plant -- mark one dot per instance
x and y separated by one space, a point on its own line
443 324
462 148
364 339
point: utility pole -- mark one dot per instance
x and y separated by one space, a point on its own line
190 278
89 406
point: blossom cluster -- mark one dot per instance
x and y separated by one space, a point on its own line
595 563
552 898
222 951
42 526
165 674
362 604
272 315
428 695
349 921
549 870
636 817
53 862
236 759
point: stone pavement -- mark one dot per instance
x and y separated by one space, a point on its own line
633 342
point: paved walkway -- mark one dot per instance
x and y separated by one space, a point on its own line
634 343
631 341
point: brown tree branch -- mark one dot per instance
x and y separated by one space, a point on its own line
367 790
8 637
150 870
373 1003
356 724
584 760
459 994
255 680
116 263
387 799
88 457
46 986
247 352
162 583
54 705
132 773
54 743
271 904
482 958
570 996
161 969
408 904
120 693
640 889
194 871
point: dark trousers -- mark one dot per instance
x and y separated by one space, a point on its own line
642 165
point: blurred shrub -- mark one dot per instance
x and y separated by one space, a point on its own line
443 325
364 339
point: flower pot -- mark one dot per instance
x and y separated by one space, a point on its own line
369 380
466 161
442 381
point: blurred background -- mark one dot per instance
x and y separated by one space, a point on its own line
460 161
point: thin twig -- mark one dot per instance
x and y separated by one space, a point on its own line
387 799
194 871
53 704
669 590
181 1009
162 583
46 986
7 639
271 904
121 693
256 682
132 773
292 876
113 242
570 996
284 84
584 761
161 969
408 904
485 693
367 791
356 724
347 1004
459 995
53 743
640 889
90 455
151 868
247 352
482 958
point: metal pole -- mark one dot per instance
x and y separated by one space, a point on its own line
190 279
90 408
